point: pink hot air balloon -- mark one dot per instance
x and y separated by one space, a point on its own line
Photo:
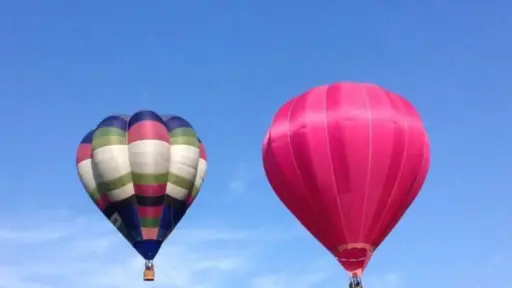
347 160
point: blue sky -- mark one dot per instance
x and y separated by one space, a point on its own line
227 66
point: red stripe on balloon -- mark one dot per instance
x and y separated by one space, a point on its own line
83 153
150 211
103 202
150 190
149 233
148 130
202 152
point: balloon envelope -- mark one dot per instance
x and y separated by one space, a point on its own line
347 160
143 172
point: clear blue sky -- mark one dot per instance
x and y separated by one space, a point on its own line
227 66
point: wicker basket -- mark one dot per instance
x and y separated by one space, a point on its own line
149 274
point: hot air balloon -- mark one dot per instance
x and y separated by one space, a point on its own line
347 160
143 172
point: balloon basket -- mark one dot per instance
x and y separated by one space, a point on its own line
355 282
149 273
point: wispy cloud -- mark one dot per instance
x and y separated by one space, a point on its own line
386 280
89 253
237 185
289 280
239 181
89 258
38 235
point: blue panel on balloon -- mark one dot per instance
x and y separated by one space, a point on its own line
148 248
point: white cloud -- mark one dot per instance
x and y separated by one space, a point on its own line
38 235
236 185
387 280
289 280
89 253
70 251
239 180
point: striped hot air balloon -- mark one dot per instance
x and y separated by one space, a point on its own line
143 172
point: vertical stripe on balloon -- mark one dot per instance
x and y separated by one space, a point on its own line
148 146
184 154
113 173
85 171
200 174
89 180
